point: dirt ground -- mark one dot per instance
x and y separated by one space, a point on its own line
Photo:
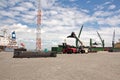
92 66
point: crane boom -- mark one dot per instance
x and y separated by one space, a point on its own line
113 36
79 36
102 41
113 40
99 36
73 35
79 41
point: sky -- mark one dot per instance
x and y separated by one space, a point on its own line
59 19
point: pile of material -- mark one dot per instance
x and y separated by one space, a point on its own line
23 53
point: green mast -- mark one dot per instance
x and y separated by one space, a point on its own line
102 41
79 37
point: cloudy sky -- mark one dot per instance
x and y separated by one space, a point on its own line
59 19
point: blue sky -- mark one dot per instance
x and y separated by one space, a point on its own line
59 19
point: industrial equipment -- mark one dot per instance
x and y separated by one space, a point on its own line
102 41
115 46
113 40
93 45
69 49
77 49
81 47
79 37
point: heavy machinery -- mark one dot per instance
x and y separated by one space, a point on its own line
115 46
93 45
77 49
113 40
93 48
102 41
79 37
69 49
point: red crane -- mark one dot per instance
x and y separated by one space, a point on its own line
38 29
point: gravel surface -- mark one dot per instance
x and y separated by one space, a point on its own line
92 66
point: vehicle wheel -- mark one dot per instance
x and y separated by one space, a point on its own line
82 51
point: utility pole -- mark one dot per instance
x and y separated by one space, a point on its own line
38 29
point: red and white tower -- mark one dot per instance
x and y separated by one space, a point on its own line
38 29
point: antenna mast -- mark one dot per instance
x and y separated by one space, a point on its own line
38 29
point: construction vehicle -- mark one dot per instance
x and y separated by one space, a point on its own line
69 49
81 48
77 49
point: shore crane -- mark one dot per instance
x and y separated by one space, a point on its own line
102 41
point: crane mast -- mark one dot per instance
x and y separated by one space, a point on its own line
38 29
113 40
79 37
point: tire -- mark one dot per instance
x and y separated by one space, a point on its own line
82 51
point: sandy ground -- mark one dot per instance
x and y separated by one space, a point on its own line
92 66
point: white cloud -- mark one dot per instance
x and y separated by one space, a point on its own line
10 14
88 1
85 10
72 0
112 7
27 5
106 3
107 17
3 3
28 17
111 21
7 21
13 2
99 7
47 3
103 13
19 8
